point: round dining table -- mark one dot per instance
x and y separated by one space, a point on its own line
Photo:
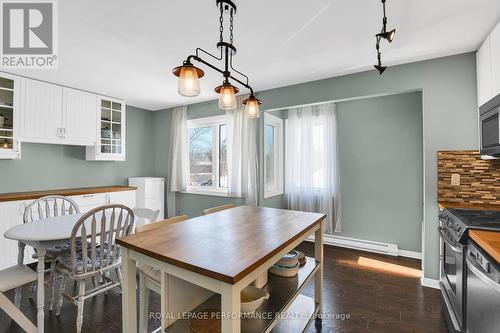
42 235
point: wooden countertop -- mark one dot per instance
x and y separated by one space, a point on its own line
66 192
460 205
489 241
226 245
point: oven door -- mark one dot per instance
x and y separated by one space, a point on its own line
490 132
452 279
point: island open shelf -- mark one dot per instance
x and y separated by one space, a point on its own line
285 301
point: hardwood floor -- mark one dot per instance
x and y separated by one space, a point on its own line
377 293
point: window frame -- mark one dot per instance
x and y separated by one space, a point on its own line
214 122
279 153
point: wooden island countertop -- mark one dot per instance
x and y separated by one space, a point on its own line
465 205
489 241
66 192
226 245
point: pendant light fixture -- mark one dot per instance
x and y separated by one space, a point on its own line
189 83
227 95
189 75
384 34
252 107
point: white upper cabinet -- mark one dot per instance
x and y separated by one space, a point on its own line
79 117
110 131
10 147
59 115
41 112
488 67
484 74
495 60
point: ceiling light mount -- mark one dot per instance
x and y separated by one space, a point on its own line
189 74
226 5
384 34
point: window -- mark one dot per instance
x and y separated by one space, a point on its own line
273 155
207 155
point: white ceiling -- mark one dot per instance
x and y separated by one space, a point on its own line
127 48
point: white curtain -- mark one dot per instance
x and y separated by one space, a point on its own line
312 180
178 157
242 154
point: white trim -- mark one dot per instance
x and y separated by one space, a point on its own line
430 283
207 121
368 246
278 125
214 123
206 192
410 254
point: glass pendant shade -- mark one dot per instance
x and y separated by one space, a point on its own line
189 82
227 96
252 107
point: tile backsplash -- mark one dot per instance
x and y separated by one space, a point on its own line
463 177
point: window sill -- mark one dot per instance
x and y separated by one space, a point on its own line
270 194
209 193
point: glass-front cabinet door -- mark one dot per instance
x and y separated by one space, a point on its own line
10 147
111 131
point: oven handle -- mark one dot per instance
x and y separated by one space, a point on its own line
477 271
449 307
453 246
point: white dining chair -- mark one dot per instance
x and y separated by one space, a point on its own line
94 253
149 277
15 277
145 216
41 209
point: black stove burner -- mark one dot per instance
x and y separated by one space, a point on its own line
478 219
456 222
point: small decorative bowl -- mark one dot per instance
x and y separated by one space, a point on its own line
284 271
289 260
302 258
252 298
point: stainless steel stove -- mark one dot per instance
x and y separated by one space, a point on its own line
453 230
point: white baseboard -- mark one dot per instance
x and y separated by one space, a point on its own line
367 245
431 283
410 254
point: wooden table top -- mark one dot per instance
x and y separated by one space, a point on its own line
489 241
66 192
226 245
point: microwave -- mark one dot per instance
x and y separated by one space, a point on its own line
489 128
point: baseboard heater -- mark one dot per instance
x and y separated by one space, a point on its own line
360 244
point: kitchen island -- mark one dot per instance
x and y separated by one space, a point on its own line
224 252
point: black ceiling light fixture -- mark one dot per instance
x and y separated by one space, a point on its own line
384 34
189 75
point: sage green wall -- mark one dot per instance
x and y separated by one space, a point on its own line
381 169
449 106
449 117
45 166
